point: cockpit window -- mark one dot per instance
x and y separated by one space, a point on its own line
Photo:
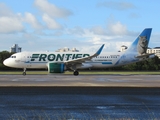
13 56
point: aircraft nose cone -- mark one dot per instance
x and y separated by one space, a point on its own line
5 62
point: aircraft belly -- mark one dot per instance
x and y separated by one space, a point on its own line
37 66
101 65
34 65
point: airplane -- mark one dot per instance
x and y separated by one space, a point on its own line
58 62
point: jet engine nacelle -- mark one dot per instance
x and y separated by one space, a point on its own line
56 67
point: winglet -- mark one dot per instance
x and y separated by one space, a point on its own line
99 51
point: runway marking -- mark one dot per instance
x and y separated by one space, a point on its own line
15 80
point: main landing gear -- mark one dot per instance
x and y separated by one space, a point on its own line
24 71
75 73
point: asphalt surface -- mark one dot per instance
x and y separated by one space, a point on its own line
47 97
48 103
81 80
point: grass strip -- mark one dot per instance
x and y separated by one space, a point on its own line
84 72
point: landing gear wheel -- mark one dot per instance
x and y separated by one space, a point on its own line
75 73
24 73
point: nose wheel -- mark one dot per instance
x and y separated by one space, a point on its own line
24 71
75 73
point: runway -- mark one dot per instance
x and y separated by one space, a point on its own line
68 103
44 97
81 80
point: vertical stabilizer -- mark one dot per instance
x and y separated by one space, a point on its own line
140 45
137 50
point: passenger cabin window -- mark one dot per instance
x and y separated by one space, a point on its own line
13 56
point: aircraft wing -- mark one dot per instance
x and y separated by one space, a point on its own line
145 55
81 60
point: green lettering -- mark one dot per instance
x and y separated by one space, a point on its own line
60 57
73 56
34 56
51 57
78 55
42 57
86 55
68 55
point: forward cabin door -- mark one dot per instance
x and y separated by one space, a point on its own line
26 60
23 60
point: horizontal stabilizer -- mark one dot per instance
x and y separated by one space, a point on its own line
145 55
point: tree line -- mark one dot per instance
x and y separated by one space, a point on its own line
4 55
152 64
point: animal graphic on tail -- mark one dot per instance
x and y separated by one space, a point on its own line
142 45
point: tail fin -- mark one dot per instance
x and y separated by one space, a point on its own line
140 45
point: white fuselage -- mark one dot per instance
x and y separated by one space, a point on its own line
60 61
41 59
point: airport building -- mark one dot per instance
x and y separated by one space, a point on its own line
67 50
155 50
123 48
15 48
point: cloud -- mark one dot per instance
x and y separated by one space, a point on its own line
31 19
154 40
89 39
76 31
5 11
9 22
98 30
116 5
117 28
113 35
53 11
51 23
112 43
10 25
50 13
112 28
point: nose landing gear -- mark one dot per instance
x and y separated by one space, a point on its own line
24 71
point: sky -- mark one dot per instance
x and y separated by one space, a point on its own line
47 25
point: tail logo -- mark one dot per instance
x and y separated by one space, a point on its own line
142 45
